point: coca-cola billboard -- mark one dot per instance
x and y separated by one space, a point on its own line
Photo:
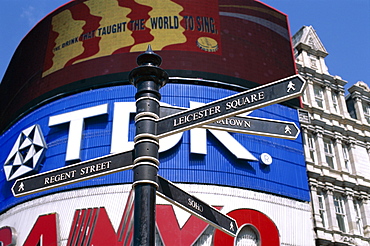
94 43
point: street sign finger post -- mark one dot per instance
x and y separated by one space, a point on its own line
246 124
154 122
255 98
73 173
196 207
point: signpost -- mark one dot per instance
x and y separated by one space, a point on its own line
246 125
73 173
255 98
148 78
195 206
154 122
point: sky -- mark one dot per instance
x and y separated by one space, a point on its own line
343 27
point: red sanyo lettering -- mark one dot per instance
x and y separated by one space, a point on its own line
168 227
7 236
92 226
44 231
268 232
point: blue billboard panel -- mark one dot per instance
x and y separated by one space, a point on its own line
100 122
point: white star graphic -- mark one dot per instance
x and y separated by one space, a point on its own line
26 153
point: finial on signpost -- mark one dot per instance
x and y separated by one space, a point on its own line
149 58
148 69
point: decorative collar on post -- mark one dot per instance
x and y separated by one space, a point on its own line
148 69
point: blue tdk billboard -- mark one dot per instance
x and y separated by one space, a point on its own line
99 122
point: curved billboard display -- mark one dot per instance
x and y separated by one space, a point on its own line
94 43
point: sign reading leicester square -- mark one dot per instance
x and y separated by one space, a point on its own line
229 164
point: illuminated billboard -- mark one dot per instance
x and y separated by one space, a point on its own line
94 43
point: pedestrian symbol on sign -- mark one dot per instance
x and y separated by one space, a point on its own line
21 187
291 86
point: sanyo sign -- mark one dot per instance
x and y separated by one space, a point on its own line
121 127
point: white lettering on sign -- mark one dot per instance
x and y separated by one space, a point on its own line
198 141
196 116
195 205
121 126
122 113
245 100
95 168
60 177
234 122
76 120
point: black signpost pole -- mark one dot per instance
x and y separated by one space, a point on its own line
148 78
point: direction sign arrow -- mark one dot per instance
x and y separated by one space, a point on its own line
73 173
195 206
257 126
246 124
255 98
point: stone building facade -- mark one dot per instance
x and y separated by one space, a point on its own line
336 133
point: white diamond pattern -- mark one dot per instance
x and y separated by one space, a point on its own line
26 153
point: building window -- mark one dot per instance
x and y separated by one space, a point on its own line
313 63
359 224
319 96
312 43
311 146
322 208
304 116
347 163
340 213
329 155
334 96
366 108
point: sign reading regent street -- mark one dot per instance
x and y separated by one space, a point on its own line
73 173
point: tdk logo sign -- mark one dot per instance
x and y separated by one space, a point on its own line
30 146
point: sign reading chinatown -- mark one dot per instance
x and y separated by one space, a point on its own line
237 104
245 124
